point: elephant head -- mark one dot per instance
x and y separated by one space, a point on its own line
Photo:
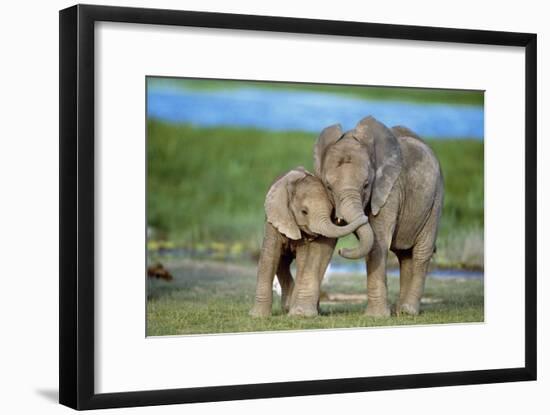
298 202
358 169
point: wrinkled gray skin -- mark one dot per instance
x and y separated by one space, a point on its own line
395 178
298 225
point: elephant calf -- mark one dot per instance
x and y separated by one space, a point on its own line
298 225
393 176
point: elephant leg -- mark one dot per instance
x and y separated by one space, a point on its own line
422 253
287 282
405 275
410 304
270 256
326 255
312 259
377 286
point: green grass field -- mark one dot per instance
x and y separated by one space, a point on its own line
212 297
206 188
425 95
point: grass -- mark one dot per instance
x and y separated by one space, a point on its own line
460 239
215 298
424 95
206 188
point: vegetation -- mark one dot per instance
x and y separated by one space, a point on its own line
426 95
206 188
215 298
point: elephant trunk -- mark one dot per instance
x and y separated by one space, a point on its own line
325 227
366 240
352 208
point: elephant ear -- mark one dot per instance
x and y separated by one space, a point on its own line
383 144
402 131
277 208
328 136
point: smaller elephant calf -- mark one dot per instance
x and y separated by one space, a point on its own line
298 226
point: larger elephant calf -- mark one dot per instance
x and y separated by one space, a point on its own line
395 178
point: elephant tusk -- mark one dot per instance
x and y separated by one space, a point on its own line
340 221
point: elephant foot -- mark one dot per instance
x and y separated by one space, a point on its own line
285 303
305 310
377 310
260 310
408 308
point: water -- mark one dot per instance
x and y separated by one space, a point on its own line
359 268
335 268
307 111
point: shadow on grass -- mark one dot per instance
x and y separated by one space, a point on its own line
336 309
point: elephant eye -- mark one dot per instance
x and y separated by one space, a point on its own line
304 212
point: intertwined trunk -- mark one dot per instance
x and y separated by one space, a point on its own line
351 208
324 226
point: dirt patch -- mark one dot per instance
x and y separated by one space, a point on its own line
337 298
430 300
209 267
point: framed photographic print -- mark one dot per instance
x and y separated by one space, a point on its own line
260 206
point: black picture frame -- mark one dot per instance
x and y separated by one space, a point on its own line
77 173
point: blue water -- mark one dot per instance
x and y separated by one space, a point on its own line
359 268
307 111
